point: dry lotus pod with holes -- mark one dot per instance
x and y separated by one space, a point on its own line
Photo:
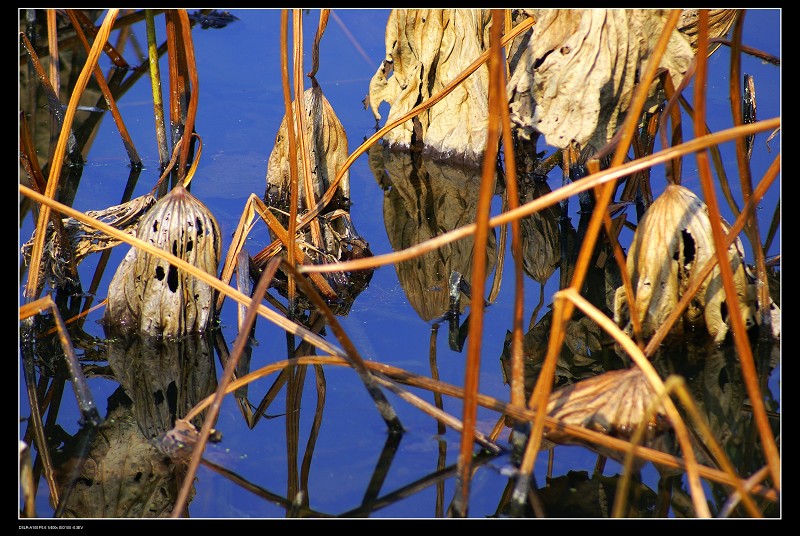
149 295
671 244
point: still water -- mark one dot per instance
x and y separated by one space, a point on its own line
342 459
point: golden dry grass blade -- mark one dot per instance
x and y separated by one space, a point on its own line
58 157
423 382
179 263
497 100
739 330
552 198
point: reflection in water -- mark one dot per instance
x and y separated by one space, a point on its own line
117 470
424 199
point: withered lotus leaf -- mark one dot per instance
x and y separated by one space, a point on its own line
614 402
150 295
575 80
425 50
671 244
84 239
327 152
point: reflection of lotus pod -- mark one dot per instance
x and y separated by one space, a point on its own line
541 245
125 475
327 149
153 297
672 243
163 378
423 203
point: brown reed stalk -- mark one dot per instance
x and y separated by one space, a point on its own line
32 287
423 382
127 142
287 104
52 43
745 179
323 23
303 144
213 411
749 371
497 100
517 364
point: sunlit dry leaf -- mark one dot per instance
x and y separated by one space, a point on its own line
575 80
425 50
153 297
679 224
84 239
327 153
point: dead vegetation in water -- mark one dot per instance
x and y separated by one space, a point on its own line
320 251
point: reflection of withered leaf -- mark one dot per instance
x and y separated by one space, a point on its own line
679 224
577 495
427 49
541 245
124 476
84 239
575 80
163 378
581 354
426 200
153 297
